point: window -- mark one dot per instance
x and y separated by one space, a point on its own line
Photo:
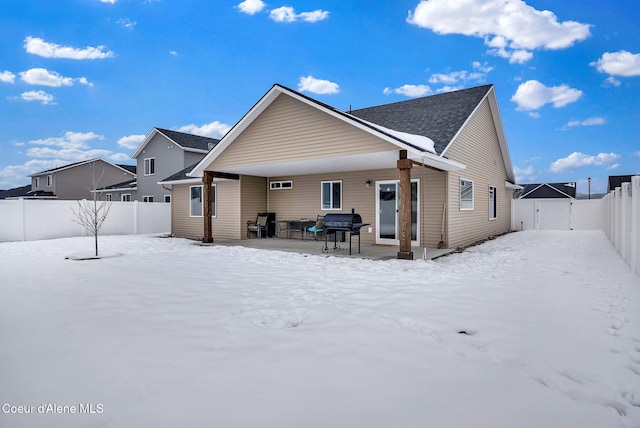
150 166
49 180
147 198
466 194
493 203
196 208
280 185
37 182
167 198
126 197
108 197
331 195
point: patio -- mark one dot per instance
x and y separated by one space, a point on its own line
311 246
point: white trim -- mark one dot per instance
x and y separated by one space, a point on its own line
108 197
472 194
153 133
551 187
332 182
49 180
388 241
144 166
123 196
149 198
62 168
36 182
215 201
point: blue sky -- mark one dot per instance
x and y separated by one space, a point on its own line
90 78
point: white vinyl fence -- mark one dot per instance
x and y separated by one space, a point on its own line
622 221
557 214
30 220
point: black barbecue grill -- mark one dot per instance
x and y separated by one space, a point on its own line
337 222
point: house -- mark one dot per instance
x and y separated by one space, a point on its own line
419 171
75 180
16 192
547 191
161 153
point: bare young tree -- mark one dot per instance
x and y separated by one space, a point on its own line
91 214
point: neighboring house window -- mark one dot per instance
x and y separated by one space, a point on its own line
149 166
493 203
108 197
280 185
196 208
167 198
126 197
37 182
466 194
49 180
147 199
331 195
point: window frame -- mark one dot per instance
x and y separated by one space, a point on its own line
49 180
467 208
37 182
125 197
214 202
150 166
280 185
167 199
493 202
108 197
147 198
331 195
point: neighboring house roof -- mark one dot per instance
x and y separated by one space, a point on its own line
617 180
181 177
41 193
131 168
425 127
74 164
548 190
187 142
127 185
16 192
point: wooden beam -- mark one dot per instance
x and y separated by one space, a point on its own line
207 180
404 191
226 175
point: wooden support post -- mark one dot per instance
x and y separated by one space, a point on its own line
207 180
404 190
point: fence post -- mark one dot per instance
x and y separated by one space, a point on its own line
635 224
624 220
21 220
136 217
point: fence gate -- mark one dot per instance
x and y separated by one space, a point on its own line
542 214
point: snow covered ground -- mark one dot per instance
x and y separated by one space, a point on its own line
173 334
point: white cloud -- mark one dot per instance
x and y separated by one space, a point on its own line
612 81
41 96
44 77
510 28
108 1
72 147
126 23
173 53
7 77
526 175
621 63
587 122
637 153
317 86
534 115
131 141
12 175
37 46
288 14
614 166
410 90
214 129
70 140
531 95
251 7
578 160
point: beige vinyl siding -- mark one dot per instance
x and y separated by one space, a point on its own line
292 130
226 224
304 199
478 148
253 200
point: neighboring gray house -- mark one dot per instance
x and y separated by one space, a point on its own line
75 180
162 153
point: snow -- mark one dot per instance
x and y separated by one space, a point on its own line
420 141
175 334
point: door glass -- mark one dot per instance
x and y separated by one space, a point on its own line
414 210
387 197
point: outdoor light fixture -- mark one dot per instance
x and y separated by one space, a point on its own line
368 183
589 180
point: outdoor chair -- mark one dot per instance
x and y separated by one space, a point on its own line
318 227
260 226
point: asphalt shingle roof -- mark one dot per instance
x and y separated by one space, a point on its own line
617 180
15 192
438 117
189 140
181 175
548 190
